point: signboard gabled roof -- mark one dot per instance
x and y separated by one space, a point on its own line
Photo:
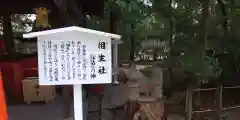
68 29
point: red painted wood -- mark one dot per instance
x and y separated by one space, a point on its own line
12 74
2 47
30 67
97 88
3 107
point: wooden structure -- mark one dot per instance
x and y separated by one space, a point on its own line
8 7
217 105
58 17
32 92
91 7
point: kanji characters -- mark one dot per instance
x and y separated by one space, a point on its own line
93 63
101 58
102 45
93 76
102 70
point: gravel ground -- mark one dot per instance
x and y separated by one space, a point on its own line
49 111
233 114
53 111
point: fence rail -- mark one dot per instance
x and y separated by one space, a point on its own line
209 89
218 108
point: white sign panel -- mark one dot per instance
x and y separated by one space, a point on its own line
74 55
74 61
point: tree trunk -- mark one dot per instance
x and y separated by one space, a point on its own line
203 27
235 31
170 43
76 11
191 84
132 42
8 34
113 22
219 92
71 12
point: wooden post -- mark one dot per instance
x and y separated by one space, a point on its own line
8 34
78 103
189 98
219 103
113 29
115 61
186 101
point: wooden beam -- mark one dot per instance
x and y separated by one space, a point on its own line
8 34
90 7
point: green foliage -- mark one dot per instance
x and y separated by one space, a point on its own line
131 12
21 23
186 50
204 69
182 21
178 22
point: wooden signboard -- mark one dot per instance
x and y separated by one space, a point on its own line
74 56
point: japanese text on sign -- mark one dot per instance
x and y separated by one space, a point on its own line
73 60
102 58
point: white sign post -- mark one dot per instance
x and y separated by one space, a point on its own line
74 56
